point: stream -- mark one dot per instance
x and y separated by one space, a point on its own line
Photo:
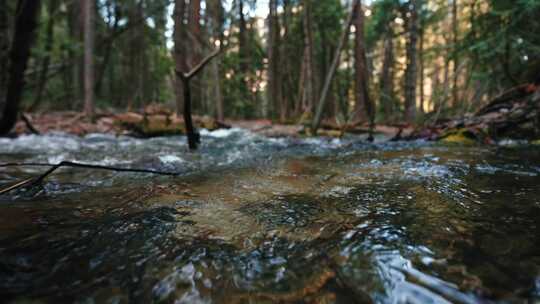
260 220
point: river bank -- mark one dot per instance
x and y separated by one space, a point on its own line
513 115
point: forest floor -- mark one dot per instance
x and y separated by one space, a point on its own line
515 114
151 123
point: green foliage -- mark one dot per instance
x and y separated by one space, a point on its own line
240 90
383 14
504 41
236 94
133 63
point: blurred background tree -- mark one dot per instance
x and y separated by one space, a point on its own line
412 61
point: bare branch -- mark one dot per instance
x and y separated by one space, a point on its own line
200 66
17 185
54 167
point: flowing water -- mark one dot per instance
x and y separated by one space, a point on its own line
257 220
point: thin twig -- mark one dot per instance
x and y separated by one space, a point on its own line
331 73
54 167
17 185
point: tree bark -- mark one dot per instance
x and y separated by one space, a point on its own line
135 73
4 52
194 26
243 52
455 100
299 105
309 87
421 74
363 109
411 69
286 73
179 53
89 39
330 75
387 76
274 84
216 18
446 77
100 74
195 50
23 37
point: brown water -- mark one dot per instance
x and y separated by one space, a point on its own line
254 220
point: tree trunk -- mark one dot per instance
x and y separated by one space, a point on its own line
100 75
446 79
23 37
328 45
243 53
220 111
455 100
216 18
387 76
330 75
46 60
4 52
89 39
286 74
195 50
299 105
309 87
143 81
274 83
411 69
179 54
421 73
436 87
363 109
194 26
135 72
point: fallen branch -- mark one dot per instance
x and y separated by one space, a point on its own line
53 167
